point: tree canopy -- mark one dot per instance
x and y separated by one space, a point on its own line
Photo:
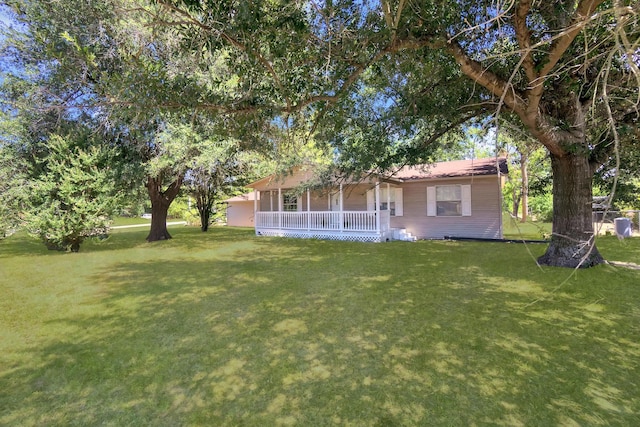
382 82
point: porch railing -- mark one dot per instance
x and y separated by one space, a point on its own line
345 221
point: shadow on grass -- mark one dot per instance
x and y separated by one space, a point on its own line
291 332
21 244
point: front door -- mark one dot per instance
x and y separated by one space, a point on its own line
335 202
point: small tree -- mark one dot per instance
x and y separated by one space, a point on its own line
13 177
12 190
74 195
205 181
218 170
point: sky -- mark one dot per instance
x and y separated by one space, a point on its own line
5 19
5 22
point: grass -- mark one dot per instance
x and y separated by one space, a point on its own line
224 328
133 220
529 230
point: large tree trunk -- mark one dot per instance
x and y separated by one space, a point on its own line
160 202
158 231
204 219
572 242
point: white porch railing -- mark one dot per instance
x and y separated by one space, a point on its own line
350 225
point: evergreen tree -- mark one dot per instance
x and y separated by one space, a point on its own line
74 195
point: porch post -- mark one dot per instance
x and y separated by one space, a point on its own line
280 208
389 198
308 210
341 211
255 208
378 207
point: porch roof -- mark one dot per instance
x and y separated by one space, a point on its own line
300 176
247 197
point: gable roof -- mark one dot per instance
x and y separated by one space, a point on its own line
453 169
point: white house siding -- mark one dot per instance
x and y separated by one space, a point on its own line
484 222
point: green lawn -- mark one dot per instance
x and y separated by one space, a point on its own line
514 229
224 328
132 220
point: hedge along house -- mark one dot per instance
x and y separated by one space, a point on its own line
449 199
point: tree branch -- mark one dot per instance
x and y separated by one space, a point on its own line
523 35
559 45
233 42
583 12
489 80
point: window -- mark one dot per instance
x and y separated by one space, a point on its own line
449 200
290 202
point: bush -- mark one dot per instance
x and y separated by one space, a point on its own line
74 197
180 210
541 207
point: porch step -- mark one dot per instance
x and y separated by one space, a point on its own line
403 234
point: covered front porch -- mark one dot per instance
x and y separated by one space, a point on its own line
361 226
349 214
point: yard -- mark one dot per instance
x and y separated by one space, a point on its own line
225 328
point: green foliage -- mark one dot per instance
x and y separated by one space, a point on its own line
13 175
173 146
13 186
622 180
541 207
218 172
74 196
522 151
182 209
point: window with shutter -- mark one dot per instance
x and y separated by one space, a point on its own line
449 200
466 200
431 201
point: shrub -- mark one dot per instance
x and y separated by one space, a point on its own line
541 207
74 196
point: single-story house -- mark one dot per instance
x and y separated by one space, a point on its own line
449 199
